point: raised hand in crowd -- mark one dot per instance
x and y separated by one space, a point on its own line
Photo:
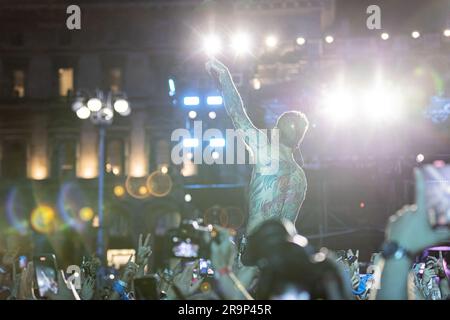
121 287
407 233
143 253
223 254
183 285
66 290
439 270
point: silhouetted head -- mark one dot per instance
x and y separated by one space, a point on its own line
293 126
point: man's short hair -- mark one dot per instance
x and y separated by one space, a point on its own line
293 126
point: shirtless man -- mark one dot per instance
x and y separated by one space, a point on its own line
279 194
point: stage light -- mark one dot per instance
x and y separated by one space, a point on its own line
301 41
381 104
415 34
191 101
362 205
256 84
212 115
116 171
83 112
121 106
385 36
215 155
338 105
86 214
271 41
119 191
240 43
111 276
172 89
187 197
190 143
94 104
192 114
420 157
446 33
214 100
217 142
164 169
212 45
329 39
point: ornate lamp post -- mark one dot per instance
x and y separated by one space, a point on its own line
100 109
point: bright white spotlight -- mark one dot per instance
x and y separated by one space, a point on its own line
301 41
212 115
190 143
94 104
191 101
385 36
217 142
83 112
338 105
446 33
420 157
192 114
256 84
271 41
187 197
164 169
240 43
382 104
212 45
329 39
214 100
415 34
172 88
121 106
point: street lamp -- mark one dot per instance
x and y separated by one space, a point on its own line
99 108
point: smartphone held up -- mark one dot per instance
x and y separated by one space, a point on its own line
437 193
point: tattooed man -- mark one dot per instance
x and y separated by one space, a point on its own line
277 193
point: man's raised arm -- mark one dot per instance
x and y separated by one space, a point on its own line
232 99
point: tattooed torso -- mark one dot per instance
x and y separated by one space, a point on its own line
279 195
273 194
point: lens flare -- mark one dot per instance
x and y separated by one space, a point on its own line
86 214
43 219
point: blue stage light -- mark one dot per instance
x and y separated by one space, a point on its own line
214 100
191 101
